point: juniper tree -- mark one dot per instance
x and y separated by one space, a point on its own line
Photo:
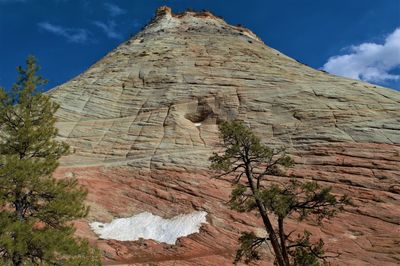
249 162
36 209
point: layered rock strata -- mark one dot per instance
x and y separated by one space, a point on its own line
144 119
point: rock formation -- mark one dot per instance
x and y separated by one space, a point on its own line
143 121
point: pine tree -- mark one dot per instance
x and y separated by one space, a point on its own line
36 209
245 157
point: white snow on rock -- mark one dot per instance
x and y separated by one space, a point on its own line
148 226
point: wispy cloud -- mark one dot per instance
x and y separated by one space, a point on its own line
75 35
109 29
371 62
114 10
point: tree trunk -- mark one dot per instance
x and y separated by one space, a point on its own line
19 204
267 223
283 240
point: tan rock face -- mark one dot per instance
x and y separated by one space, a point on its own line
144 120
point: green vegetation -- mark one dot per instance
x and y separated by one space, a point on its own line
249 162
36 209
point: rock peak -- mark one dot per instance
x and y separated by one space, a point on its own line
163 11
143 122
200 22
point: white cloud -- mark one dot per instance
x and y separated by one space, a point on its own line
109 29
371 62
77 35
114 9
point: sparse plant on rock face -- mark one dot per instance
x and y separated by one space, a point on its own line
249 162
36 209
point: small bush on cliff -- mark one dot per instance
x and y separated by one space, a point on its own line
36 209
248 162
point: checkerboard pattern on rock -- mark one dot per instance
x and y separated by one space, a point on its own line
144 119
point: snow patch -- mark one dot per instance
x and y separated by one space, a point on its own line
148 226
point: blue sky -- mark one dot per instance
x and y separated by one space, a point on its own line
355 38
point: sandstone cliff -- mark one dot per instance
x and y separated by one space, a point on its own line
144 119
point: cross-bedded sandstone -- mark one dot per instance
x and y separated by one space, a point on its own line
144 120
